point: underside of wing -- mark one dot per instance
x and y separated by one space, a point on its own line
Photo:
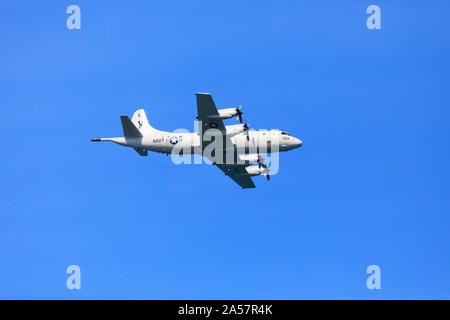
212 127
207 113
209 117
238 174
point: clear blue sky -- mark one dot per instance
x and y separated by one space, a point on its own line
370 185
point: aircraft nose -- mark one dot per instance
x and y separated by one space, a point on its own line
298 143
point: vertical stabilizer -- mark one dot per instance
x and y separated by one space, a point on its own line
141 122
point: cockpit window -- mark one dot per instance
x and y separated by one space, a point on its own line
285 133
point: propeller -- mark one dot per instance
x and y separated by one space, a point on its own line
239 113
246 128
266 173
262 164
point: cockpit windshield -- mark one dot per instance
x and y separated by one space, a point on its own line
283 132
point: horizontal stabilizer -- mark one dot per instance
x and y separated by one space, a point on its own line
141 151
129 129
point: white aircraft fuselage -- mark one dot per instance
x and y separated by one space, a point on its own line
214 141
189 143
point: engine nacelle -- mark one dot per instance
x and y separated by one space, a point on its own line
224 114
254 171
249 158
245 159
234 129
227 113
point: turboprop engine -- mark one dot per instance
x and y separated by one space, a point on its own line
229 113
257 170
261 168
234 129
250 159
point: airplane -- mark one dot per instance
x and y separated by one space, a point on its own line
244 145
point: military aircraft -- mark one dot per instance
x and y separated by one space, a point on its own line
234 149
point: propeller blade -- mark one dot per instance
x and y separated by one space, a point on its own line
245 125
261 162
266 174
239 113
246 128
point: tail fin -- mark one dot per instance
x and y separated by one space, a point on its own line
141 122
129 129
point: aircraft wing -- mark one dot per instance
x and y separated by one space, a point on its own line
207 111
235 172
208 115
